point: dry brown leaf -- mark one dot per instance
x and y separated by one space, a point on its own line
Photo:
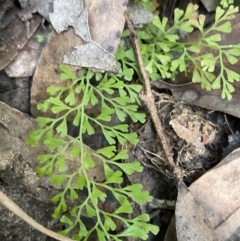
93 56
191 220
33 6
190 136
171 231
47 72
210 5
25 62
194 94
138 14
14 30
218 194
106 21
70 13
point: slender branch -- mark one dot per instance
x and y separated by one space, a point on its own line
148 98
13 207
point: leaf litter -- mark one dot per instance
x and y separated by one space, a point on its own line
213 206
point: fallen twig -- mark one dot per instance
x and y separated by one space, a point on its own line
13 207
148 98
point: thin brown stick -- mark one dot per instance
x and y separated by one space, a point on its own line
13 207
148 98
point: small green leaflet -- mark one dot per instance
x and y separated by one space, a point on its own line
83 228
70 98
232 76
73 211
131 137
42 121
60 163
108 151
196 76
147 227
45 157
121 155
87 127
81 182
163 58
62 128
136 116
35 136
93 98
109 224
231 59
134 187
58 179
109 135
52 90
116 177
88 162
126 207
57 210
44 169
43 106
68 72
225 28
97 194
106 113
56 198
120 114
134 231
107 171
130 168
66 231
160 25
120 197
66 220
101 235
208 63
73 195
140 197
75 152
128 73
143 217
77 118
178 13
186 26
172 37
53 143
90 211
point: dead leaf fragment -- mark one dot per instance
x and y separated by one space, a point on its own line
217 192
70 13
14 35
33 6
91 55
47 72
25 62
191 220
194 94
139 15
106 22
